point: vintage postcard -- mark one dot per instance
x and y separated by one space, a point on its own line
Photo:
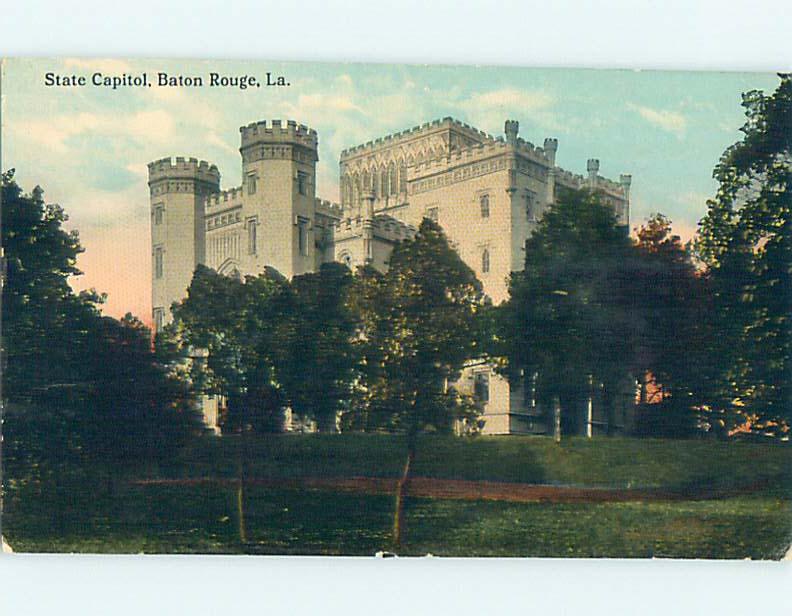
349 309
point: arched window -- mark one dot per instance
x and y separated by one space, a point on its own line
355 190
484 203
383 182
402 177
375 183
392 185
365 179
346 197
485 261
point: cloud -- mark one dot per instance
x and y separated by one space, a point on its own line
55 132
669 121
101 65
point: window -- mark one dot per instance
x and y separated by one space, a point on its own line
159 211
484 203
159 320
251 183
302 182
252 225
302 236
392 186
158 266
481 387
432 214
402 178
485 261
346 259
530 213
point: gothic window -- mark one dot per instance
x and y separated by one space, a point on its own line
383 183
530 212
345 196
252 225
485 206
402 178
159 211
302 182
485 261
431 214
392 186
302 236
158 264
481 387
375 183
366 181
159 319
355 190
251 183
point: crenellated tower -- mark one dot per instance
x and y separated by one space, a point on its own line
178 191
279 192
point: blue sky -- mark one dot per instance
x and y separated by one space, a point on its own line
88 147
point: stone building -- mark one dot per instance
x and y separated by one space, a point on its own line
487 193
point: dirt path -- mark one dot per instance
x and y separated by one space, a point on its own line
457 489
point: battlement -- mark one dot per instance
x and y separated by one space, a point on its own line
224 197
328 208
383 226
498 146
416 131
183 168
276 132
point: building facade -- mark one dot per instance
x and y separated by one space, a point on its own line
488 193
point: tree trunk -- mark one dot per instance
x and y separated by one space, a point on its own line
240 492
557 419
401 494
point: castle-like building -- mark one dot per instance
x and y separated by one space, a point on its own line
488 193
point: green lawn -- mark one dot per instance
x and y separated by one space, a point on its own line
82 517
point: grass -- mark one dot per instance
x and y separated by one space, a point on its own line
606 462
82 517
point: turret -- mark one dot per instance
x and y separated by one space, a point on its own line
550 149
279 186
178 192
511 128
592 166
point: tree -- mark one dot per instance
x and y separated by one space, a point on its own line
671 301
569 318
242 329
85 390
745 240
234 336
322 356
419 331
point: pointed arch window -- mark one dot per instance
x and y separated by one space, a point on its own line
392 185
485 261
485 206
402 178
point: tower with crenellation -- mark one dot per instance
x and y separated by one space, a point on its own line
178 193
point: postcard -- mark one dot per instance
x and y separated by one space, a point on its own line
396 310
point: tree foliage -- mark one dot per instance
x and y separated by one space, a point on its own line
418 329
745 240
234 334
83 388
569 318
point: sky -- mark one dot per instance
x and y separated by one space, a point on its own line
88 147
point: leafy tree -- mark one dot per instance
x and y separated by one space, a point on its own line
418 321
745 240
671 301
234 333
322 357
85 391
569 317
235 337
